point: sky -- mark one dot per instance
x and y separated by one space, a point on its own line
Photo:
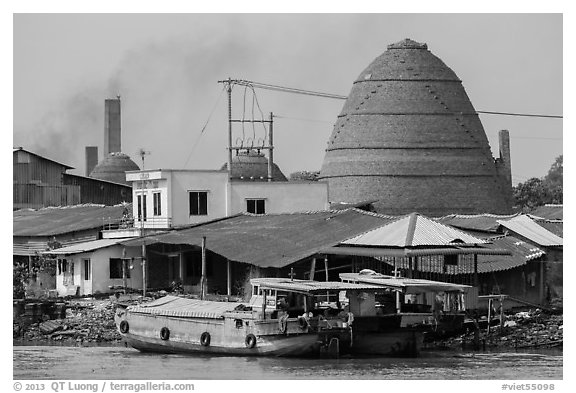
166 68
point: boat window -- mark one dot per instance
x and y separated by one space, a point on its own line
255 290
238 323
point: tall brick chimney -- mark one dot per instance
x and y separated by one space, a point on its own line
91 158
112 130
504 164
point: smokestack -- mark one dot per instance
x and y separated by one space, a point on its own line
91 159
505 163
112 132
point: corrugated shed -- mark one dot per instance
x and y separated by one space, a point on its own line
60 220
526 227
274 240
476 222
84 247
549 212
172 306
412 231
406 134
308 286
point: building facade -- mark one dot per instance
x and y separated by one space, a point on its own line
167 198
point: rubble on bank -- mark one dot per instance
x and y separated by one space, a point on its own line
527 329
86 321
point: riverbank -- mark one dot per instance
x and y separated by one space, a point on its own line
534 328
87 321
91 322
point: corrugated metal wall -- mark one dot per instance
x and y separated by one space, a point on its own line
34 196
31 169
96 191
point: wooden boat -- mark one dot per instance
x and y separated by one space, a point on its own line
437 306
281 319
360 330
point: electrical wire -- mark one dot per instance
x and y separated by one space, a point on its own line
341 97
204 127
520 114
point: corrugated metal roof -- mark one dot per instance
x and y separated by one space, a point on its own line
52 221
274 240
413 230
402 282
526 227
173 306
36 247
84 247
309 286
549 212
408 252
14 150
556 227
476 222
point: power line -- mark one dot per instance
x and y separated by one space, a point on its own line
520 114
303 119
203 128
341 97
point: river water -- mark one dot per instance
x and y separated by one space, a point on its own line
118 363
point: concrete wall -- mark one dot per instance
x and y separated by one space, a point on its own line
100 280
281 197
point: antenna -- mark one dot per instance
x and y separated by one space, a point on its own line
143 153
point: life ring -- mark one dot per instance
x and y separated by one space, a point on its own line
250 341
164 333
205 339
124 327
303 322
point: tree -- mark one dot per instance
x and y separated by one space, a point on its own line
537 192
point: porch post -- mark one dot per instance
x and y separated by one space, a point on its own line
124 272
410 268
541 289
203 282
228 277
312 268
476 283
144 267
181 266
326 266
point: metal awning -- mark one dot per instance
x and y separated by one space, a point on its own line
403 283
309 286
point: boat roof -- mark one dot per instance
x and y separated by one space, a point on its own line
401 282
174 306
310 286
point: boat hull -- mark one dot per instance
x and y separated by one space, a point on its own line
299 345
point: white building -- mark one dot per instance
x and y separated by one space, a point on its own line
94 267
164 198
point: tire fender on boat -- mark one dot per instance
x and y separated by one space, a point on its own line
164 333
250 341
205 339
124 327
